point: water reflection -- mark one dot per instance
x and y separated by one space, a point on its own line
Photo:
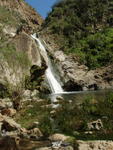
78 96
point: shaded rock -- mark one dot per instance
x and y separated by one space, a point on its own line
8 124
26 94
72 86
35 132
95 125
2 105
9 143
8 112
33 125
17 104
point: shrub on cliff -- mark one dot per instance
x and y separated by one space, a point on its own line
83 28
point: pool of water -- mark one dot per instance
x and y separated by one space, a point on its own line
79 96
80 108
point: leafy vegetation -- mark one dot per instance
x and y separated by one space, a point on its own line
84 28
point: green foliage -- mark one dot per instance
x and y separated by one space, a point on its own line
96 50
46 124
109 100
28 115
83 28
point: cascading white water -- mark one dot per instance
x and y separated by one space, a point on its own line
54 84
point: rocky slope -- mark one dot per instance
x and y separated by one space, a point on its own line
80 43
77 76
18 51
27 13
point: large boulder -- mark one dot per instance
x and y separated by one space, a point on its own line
95 145
8 124
58 137
95 125
8 112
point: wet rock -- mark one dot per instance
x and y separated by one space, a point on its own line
38 73
59 98
72 86
9 143
95 125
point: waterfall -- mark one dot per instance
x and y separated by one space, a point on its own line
54 84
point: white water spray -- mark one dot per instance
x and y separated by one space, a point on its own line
54 84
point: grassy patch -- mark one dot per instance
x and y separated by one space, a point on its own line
37 112
70 118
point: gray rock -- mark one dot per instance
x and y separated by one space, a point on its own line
8 112
58 137
9 30
34 93
26 95
95 145
8 124
95 125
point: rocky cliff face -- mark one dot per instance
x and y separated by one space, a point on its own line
18 51
27 13
77 76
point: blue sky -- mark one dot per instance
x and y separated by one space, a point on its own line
42 6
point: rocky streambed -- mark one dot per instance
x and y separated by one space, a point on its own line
37 124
